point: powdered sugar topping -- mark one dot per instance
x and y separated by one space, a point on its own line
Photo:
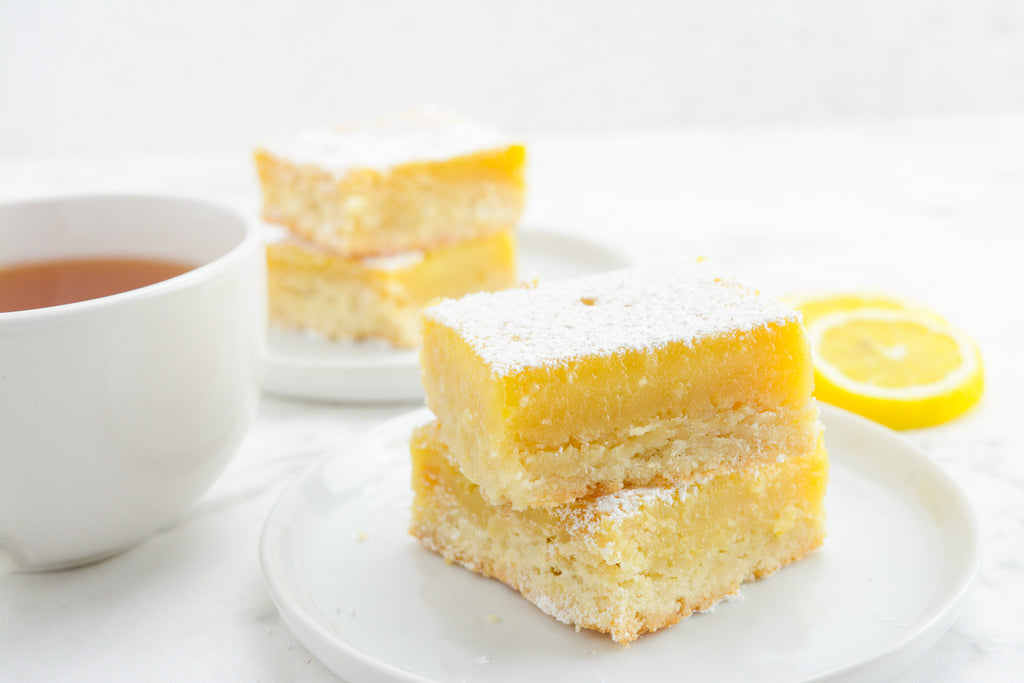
632 309
425 134
397 261
274 234
617 507
627 502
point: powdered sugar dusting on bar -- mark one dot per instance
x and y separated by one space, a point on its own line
617 507
627 502
275 235
425 134
633 309
397 261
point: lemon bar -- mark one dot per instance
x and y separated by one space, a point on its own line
409 182
313 289
633 561
641 377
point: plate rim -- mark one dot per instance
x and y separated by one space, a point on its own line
927 629
930 626
275 522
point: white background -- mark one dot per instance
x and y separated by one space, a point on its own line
128 76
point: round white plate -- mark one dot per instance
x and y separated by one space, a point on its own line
373 605
301 365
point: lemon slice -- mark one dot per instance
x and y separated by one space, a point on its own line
813 306
899 365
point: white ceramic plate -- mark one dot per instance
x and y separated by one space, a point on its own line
373 605
303 366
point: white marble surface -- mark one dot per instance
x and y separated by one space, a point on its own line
926 209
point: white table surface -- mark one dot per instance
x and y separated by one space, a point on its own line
931 210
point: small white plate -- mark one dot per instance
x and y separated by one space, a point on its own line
301 365
373 605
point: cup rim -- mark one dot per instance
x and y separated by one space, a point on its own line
252 236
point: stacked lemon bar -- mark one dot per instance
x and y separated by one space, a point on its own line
379 218
623 449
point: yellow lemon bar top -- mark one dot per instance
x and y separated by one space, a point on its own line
423 134
405 182
313 289
643 376
630 562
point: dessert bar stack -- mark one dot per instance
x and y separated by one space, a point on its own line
378 219
623 449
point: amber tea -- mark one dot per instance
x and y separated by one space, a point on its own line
52 283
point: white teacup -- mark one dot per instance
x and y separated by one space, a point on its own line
117 413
